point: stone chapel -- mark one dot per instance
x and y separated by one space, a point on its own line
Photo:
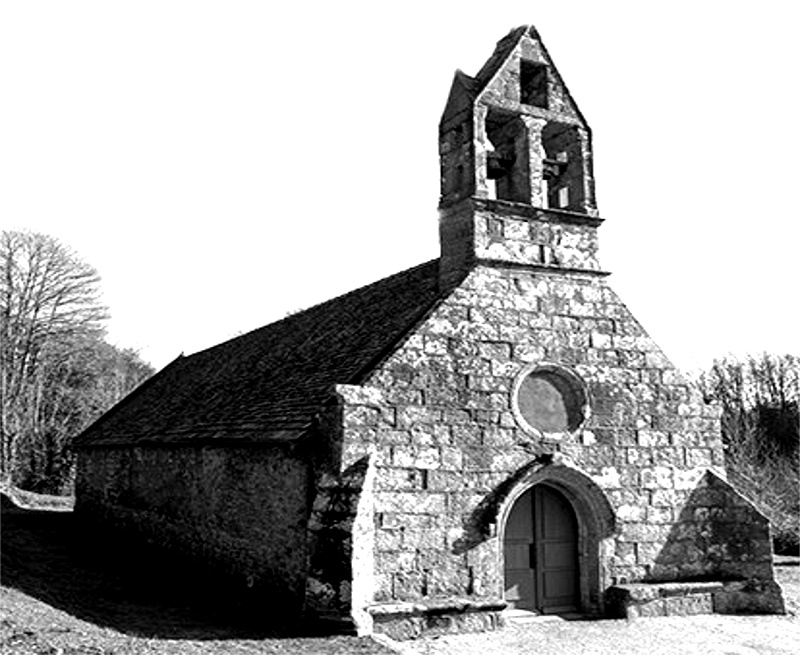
485 435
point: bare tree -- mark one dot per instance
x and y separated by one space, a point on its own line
49 303
760 400
759 396
80 384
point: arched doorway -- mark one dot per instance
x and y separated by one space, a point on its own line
541 555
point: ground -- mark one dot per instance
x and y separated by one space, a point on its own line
712 634
61 595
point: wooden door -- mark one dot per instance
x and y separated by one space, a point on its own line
520 555
541 553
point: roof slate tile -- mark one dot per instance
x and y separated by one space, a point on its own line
268 384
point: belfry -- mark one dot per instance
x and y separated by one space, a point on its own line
516 166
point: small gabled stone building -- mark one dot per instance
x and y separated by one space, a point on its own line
491 429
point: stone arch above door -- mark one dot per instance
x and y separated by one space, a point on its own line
595 516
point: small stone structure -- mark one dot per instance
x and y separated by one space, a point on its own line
491 429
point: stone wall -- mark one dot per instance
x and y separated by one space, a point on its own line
491 230
242 512
341 546
438 416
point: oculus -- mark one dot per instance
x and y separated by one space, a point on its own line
550 400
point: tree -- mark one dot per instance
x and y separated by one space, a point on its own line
760 399
56 371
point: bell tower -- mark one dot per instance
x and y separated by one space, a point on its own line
517 187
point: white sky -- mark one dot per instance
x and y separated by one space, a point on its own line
224 163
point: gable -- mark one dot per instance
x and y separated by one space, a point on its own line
268 384
466 358
500 82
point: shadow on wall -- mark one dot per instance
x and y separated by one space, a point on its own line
56 558
331 541
588 501
720 536
482 521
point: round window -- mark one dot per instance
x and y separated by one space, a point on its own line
550 400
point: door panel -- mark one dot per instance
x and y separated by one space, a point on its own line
520 521
559 585
518 556
541 552
556 538
520 591
520 582
557 556
555 516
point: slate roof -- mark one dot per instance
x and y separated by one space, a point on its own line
268 384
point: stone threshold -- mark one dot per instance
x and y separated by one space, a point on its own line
519 617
